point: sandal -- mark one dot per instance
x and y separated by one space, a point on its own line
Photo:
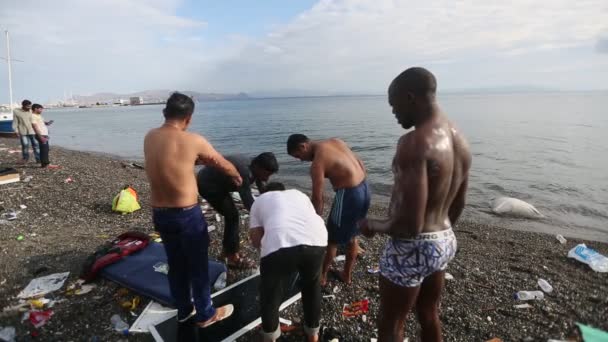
221 313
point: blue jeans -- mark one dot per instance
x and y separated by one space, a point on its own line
186 241
26 140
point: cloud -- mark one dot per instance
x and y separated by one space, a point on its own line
362 44
89 46
602 45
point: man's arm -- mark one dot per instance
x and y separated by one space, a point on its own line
408 204
317 173
15 123
207 155
255 236
246 195
459 201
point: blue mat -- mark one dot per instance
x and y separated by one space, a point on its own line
136 272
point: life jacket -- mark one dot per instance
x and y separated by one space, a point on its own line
125 244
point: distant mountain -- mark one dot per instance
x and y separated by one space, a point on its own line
154 96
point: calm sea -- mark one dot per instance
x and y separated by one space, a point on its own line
548 149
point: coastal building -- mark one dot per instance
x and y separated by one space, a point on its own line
136 100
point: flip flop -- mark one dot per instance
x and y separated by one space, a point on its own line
221 313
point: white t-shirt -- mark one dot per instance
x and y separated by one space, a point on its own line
38 120
288 219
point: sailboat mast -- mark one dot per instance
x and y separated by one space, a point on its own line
10 76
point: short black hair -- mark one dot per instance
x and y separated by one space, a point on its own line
294 141
25 103
266 161
274 186
36 106
179 106
416 80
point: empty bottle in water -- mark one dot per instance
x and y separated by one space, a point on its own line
545 286
529 295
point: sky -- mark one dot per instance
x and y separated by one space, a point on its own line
278 47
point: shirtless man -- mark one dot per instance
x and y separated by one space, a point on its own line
171 154
333 159
431 169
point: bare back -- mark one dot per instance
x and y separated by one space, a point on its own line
339 164
170 157
431 170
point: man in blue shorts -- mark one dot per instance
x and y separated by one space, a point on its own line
333 159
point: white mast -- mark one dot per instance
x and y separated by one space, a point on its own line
10 78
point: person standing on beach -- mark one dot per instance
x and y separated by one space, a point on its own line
170 155
22 125
431 169
292 238
333 159
215 187
42 134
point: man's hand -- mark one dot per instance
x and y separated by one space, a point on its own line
237 180
48 123
43 140
364 229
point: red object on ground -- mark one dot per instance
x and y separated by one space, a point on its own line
356 308
40 318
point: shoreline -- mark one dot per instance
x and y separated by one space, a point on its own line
492 263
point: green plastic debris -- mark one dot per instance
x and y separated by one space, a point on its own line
20 238
592 334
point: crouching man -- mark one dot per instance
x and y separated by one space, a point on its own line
292 238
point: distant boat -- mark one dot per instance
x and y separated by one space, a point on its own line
6 122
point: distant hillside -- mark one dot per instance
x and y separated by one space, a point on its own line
154 96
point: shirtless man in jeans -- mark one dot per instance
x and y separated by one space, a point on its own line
431 168
171 154
333 159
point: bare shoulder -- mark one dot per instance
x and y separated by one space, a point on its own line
461 145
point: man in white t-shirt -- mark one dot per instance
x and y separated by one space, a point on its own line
292 238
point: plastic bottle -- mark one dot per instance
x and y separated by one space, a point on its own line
529 295
584 254
220 283
561 239
545 286
119 325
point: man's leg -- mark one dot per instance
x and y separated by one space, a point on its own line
309 267
224 205
44 153
427 306
395 303
178 273
273 272
330 254
352 250
35 147
195 244
25 147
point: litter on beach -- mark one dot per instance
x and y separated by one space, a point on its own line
153 314
448 276
373 270
355 309
340 258
210 229
43 285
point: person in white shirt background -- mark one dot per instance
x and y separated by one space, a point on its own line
292 238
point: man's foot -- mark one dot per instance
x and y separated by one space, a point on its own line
360 251
342 276
51 166
323 280
239 262
221 313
